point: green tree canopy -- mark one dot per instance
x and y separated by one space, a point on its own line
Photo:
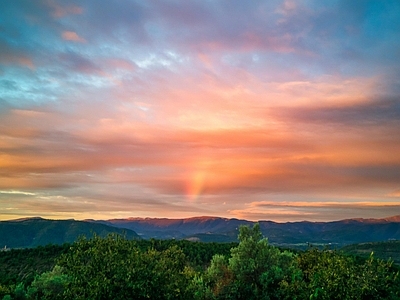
114 268
255 270
332 275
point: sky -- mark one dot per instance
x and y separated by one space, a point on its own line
258 110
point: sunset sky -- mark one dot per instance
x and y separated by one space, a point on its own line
262 110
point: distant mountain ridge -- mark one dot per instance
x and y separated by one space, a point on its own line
30 232
209 229
164 228
393 219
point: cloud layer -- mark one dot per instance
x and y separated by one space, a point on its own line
171 109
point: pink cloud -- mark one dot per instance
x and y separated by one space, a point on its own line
10 55
225 140
395 194
72 36
60 11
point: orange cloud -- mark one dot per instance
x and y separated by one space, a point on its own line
72 36
196 162
204 139
395 194
315 211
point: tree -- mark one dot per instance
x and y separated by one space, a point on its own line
114 268
49 285
332 275
255 270
4 290
379 279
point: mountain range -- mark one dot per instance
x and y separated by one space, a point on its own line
32 232
214 229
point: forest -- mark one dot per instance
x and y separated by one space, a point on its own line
114 267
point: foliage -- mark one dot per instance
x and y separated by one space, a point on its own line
117 268
332 275
22 265
4 290
198 254
49 285
114 268
383 250
255 270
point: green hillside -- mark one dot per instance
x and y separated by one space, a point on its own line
383 250
22 265
39 232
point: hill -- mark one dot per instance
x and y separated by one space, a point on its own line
335 234
24 233
290 234
383 250
36 231
163 228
